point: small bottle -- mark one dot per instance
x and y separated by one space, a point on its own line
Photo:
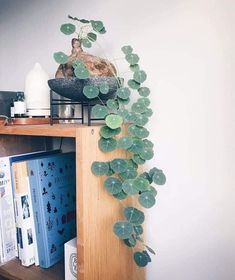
12 108
19 105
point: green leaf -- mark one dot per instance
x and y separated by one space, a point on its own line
153 170
131 117
140 259
147 176
132 58
118 165
92 36
134 216
131 242
123 92
141 120
81 72
104 88
140 132
102 31
99 168
91 91
147 255
148 143
113 121
138 107
142 184
144 101
144 91
86 43
153 191
97 25
121 195
107 145
139 239
112 104
128 187
122 112
107 132
150 250
84 20
123 101
67 28
61 57
133 84
139 76
147 200
148 112
127 49
125 142
130 173
99 111
123 229
138 230
137 146
159 178
78 63
113 185
138 160
134 67
146 153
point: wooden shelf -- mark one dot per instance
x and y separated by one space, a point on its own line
13 270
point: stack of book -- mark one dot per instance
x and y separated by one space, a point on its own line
37 206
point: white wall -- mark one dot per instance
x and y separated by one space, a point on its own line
186 49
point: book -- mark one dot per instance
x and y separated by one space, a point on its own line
27 246
53 193
70 259
8 236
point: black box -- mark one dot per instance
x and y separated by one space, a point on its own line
5 102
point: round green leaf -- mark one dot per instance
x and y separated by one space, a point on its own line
138 107
131 117
159 178
137 146
123 92
112 104
99 111
133 84
122 102
78 63
67 28
122 112
99 168
134 216
107 132
138 230
153 191
138 160
146 153
104 88
127 49
92 36
131 129
139 76
148 112
123 229
130 173
60 57
97 25
113 121
134 67
128 187
142 184
125 142
147 255
129 244
120 196
102 31
81 72
146 199
144 91
140 120
148 143
107 145
147 176
132 58
86 43
113 185
153 170
140 259
140 132
91 91
118 165
144 101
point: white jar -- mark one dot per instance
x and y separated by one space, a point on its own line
37 92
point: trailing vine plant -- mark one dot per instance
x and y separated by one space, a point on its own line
123 178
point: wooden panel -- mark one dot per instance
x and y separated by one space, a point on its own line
13 270
101 255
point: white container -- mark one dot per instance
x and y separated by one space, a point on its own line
70 260
37 92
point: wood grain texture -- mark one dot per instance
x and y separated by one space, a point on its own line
101 255
13 270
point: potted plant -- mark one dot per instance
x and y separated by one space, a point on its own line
123 178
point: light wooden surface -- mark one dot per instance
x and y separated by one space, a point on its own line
101 255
